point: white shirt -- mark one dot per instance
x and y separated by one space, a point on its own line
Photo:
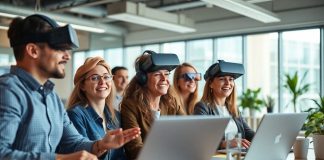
156 114
231 127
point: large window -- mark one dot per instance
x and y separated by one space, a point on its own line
230 49
78 60
177 48
262 64
200 55
131 53
114 57
301 54
5 61
152 47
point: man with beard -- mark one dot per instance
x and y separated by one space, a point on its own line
33 121
121 81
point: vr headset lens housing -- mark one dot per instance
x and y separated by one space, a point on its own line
160 61
63 38
225 69
191 76
57 38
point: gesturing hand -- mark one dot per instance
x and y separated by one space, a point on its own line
115 139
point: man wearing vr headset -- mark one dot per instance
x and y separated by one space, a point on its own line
148 96
219 99
33 121
185 83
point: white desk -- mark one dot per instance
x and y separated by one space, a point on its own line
310 155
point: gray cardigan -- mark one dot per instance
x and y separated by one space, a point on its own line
202 108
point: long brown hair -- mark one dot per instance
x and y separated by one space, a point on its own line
209 99
193 97
78 96
139 95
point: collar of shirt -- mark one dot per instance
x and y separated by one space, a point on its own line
97 118
31 82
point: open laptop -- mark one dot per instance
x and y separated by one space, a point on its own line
275 136
183 138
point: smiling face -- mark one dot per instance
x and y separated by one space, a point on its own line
185 85
51 62
158 82
222 87
98 83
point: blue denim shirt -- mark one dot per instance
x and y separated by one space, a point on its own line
33 121
89 124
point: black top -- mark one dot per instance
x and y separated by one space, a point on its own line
202 108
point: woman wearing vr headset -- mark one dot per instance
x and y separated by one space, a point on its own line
185 83
90 106
148 96
219 99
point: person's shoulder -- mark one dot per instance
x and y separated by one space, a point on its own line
8 79
10 82
201 104
76 110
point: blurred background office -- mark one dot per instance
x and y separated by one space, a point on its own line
272 38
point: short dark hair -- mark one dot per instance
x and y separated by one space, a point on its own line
20 27
117 68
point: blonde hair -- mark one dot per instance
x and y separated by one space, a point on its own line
193 97
78 96
230 102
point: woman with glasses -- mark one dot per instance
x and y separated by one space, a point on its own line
219 99
90 104
185 83
147 98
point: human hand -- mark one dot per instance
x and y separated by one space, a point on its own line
233 143
245 143
118 137
80 155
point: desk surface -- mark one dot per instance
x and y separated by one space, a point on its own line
310 155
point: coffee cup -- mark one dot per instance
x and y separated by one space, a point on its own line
301 148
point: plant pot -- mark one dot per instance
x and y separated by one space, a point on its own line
269 109
318 141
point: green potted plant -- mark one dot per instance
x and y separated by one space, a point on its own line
251 99
296 87
315 126
269 102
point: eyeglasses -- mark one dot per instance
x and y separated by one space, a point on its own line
96 78
191 76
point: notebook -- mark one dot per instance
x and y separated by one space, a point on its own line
183 138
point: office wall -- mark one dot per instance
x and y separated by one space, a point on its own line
4 41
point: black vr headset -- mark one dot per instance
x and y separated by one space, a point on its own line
57 38
156 61
223 68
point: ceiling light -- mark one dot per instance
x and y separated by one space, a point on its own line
75 26
84 28
140 14
4 27
247 9
8 15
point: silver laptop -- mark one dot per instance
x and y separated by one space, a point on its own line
183 138
275 136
